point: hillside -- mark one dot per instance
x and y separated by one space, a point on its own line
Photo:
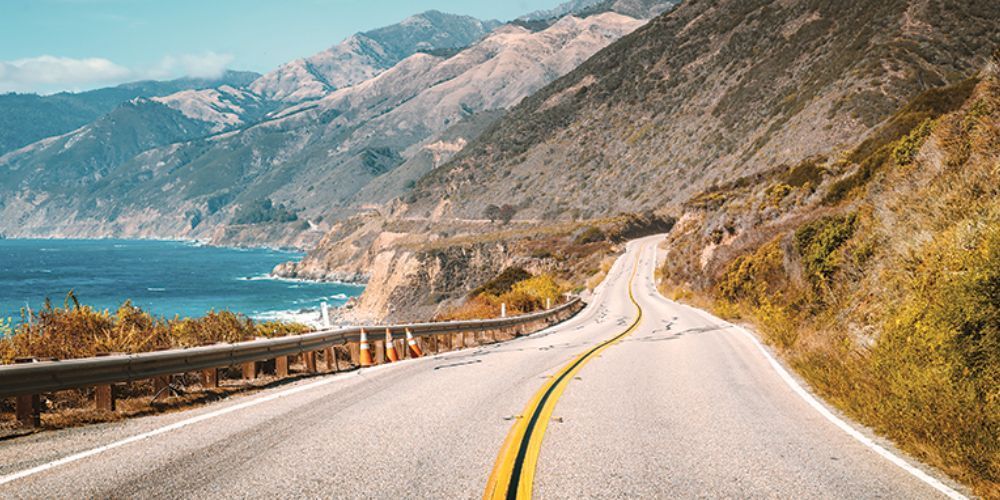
711 91
213 151
875 272
365 55
26 118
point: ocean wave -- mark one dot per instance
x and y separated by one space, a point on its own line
305 316
156 289
271 277
317 300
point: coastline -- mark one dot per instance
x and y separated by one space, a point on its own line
260 302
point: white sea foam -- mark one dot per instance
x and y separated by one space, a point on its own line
305 316
271 277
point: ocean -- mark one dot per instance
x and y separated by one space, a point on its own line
165 278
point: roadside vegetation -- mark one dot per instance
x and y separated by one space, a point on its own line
878 278
515 287
78 331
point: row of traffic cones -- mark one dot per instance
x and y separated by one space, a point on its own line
365 357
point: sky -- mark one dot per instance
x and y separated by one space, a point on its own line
54 45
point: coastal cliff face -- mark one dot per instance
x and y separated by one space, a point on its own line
416 269
412 285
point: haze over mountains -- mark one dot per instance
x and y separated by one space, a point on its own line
314 133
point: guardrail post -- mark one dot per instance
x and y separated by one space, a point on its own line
29 410
161 387
401 349
104 395
354 349
249 370
379 346
28 407
331 359
104 398
210 378
310 361
281 366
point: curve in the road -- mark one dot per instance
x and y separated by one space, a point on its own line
513 473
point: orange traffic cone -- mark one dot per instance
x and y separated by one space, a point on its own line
390 347
414 346
365 355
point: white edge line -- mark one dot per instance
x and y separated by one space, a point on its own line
844 426
184 423
821 408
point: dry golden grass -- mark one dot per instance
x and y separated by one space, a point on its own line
78 331
888 303
526 296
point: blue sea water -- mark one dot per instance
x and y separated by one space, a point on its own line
164 277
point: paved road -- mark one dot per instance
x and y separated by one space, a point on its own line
684 405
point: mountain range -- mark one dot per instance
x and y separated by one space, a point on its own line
329 135
27 118
710 92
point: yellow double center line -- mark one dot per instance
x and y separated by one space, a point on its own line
514 472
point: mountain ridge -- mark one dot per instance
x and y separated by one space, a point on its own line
27 118
632 119
317 155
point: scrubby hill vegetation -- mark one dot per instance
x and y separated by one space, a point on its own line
876 272
714 90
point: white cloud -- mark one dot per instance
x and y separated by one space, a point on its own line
204 65
51 71
46 73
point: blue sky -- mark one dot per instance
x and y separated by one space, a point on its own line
53 45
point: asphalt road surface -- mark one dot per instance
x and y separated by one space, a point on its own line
611 404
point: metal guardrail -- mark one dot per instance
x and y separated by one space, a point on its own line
51 376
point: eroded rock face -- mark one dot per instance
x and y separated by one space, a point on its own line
412 285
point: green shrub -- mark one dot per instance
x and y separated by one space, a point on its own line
907 148
590 235
749 275
263 211
817 243
806 172
777 192
502 283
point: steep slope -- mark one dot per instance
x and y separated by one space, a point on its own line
27 118
365 55
316 156
224 107
876 273
712 90
639 9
